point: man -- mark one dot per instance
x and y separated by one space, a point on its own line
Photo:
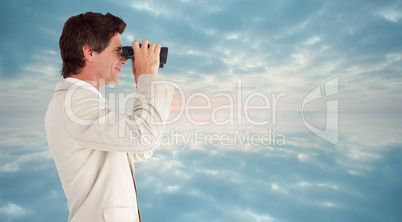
94 147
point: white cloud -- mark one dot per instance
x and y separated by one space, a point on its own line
249 215
312 40
13 210
29 159
146 6
392 15
393 57
310 185
127 37
172 189
327 204
303 157
233 35
277 188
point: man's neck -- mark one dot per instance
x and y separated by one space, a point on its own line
91 79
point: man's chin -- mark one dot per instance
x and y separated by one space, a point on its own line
113 82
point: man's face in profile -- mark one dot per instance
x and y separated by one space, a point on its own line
109 62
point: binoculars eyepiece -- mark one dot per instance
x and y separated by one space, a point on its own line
128 53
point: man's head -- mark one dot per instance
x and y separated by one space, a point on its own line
93 31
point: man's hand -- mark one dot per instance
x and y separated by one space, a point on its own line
146 60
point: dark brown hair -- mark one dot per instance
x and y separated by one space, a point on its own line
92 29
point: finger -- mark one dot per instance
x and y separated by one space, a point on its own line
158 48
144 45
152 47
136 45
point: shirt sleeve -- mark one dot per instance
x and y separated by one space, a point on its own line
92 124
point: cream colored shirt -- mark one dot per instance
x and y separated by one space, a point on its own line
94 147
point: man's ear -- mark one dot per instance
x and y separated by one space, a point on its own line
88 53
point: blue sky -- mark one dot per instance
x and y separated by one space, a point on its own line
267 48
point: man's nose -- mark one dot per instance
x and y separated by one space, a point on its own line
123 60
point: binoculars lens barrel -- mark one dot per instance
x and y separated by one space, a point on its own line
128 53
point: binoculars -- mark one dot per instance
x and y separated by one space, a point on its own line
128 53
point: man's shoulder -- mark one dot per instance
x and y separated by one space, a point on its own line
76 90
62 86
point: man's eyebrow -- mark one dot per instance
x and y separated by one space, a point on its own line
118 47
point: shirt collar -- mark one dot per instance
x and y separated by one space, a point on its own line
83 84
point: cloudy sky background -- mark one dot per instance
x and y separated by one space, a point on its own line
266 47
